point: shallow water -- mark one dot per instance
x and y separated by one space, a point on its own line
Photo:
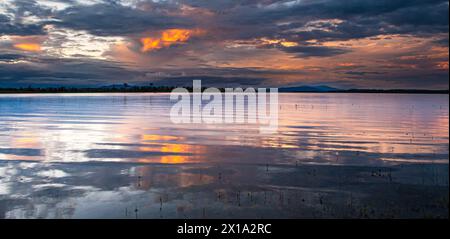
119 156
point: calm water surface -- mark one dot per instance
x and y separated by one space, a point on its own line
119 156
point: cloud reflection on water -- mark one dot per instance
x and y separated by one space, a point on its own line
106 155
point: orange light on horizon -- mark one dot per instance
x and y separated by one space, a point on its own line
442 65
168 38
28 46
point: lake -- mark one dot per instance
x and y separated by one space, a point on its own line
120 156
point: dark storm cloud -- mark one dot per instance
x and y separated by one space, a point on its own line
346 9
24 8
14 22
361 18
354 9
58 72
8 27
245 19
118 20
310 51
363 73
442 42
7 57
225 5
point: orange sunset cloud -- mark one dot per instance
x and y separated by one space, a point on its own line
28 46
167 38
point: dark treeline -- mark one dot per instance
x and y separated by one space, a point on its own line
170 88
87 90
112 89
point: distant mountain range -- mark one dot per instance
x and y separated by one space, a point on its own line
328 89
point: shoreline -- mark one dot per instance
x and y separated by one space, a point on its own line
435 92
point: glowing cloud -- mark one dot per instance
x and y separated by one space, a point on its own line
442 65
167 38
28 46
266 41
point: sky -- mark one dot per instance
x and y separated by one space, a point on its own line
382 44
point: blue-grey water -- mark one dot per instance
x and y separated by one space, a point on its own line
119 156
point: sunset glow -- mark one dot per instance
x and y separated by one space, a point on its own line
167 38
281 42
251 43
28 46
